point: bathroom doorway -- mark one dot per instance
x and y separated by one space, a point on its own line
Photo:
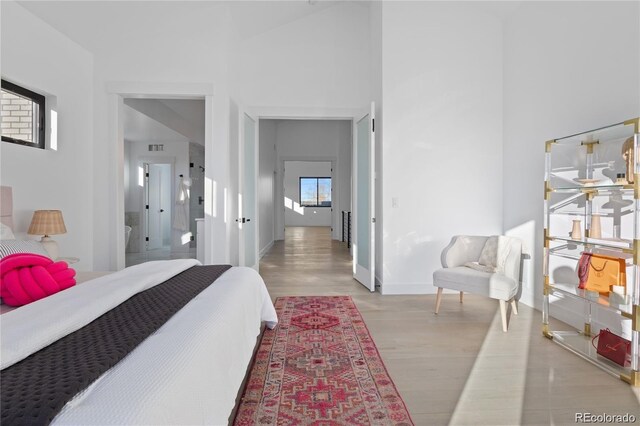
164 160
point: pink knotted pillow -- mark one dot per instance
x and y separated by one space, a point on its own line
27 277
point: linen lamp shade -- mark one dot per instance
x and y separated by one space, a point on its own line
45 223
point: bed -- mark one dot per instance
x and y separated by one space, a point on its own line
189 371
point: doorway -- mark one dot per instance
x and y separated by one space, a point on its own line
305 168
352 151
164 183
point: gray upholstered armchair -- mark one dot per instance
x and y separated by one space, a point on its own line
462 272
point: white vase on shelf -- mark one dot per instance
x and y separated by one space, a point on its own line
595 231
576 231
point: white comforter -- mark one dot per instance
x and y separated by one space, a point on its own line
187 372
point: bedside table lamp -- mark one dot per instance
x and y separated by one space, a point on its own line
45 223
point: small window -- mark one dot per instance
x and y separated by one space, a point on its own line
315 191
22 116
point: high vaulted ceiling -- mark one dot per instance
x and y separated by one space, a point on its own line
164 120
102 25
141 128
99 25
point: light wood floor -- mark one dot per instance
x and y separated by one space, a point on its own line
457 367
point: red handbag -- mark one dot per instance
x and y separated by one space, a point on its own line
613 347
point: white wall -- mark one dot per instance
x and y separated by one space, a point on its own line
442 135
560 79
316 140
342 178
155 48
173 46
294 214
318 61
176 154
266 183
48 179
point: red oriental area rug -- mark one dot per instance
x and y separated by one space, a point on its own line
319 367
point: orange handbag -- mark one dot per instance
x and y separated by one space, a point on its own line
604 272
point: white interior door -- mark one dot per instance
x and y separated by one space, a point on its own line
364 200
247 199
153 192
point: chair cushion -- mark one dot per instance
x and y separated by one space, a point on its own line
461 278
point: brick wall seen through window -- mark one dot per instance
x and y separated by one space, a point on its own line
22 115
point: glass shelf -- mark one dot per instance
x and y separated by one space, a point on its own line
604 189
611 243
581 345
580 213
607 133
574 251
615 302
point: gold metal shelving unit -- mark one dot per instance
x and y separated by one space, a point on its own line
582 181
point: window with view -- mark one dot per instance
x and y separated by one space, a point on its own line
315 191
22 113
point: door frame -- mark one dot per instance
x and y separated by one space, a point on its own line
171 161
254 215
359 273
116 93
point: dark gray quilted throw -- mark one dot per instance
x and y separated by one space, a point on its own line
35 389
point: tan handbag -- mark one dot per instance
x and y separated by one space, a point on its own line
604 272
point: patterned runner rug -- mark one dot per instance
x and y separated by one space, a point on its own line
319 367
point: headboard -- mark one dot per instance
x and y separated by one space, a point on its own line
6 206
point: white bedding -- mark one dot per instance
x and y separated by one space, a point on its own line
187 372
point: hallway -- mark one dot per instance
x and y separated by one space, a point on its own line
309 262
457 367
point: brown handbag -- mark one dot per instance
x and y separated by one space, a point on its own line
604 272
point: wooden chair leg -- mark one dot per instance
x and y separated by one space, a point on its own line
461 293
514 306
438 299
503 314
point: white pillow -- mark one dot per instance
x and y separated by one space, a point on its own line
6 233
495 252
489 254
21 246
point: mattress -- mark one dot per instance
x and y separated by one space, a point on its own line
188 372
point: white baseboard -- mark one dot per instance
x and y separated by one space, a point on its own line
265 250
408 288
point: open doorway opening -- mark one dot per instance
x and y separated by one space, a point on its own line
163 177
305 181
